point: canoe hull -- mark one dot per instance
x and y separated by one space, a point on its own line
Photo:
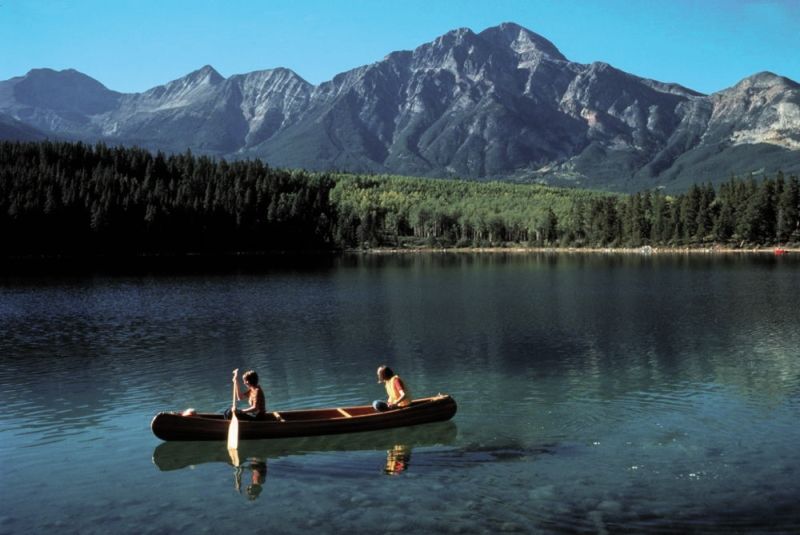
301 423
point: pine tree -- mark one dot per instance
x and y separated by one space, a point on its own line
787 224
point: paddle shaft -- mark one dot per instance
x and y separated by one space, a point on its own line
233 403
233 429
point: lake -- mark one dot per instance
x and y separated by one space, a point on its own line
597 393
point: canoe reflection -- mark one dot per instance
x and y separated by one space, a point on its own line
178 455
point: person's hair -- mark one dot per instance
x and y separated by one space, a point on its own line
385 372
250 377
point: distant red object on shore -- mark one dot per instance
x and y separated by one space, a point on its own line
779 251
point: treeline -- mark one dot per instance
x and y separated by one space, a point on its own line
73 198
392 210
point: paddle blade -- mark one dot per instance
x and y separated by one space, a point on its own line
234 457
233 433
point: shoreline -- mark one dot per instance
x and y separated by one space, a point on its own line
645 250
288 255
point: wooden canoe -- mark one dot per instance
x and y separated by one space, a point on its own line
304 422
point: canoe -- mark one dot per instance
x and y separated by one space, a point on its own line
304 422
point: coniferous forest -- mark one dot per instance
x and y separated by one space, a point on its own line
73 199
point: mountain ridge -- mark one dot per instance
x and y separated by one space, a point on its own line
503 103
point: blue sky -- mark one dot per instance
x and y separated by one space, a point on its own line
129 46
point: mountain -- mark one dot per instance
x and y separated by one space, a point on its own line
60 102
500 104
11 128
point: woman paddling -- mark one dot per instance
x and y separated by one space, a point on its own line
254 395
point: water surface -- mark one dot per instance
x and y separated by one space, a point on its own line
596 393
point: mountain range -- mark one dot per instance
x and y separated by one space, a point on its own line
500 104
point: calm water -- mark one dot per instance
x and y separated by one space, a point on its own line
596 394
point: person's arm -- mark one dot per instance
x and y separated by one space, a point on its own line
239 396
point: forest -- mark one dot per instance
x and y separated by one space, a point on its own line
74 199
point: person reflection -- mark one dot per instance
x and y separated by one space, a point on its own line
258 476
397 460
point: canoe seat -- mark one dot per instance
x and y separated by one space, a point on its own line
278 416
344 413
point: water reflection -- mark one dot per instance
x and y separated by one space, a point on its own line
250 460
258 475
397 460
169 456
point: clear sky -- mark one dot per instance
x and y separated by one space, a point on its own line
133 45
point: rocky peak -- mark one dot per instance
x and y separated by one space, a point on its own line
762 108
522 41
455 37
263 89
460 52
401 56
65 76
182 91
266 77
763 81
205 74
66 90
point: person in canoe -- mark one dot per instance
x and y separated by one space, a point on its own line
254 395
398 394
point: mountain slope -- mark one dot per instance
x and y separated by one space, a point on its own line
503 103
11 128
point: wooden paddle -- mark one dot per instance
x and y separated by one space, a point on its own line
233 430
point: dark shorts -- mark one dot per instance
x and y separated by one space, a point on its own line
380 406
243 415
